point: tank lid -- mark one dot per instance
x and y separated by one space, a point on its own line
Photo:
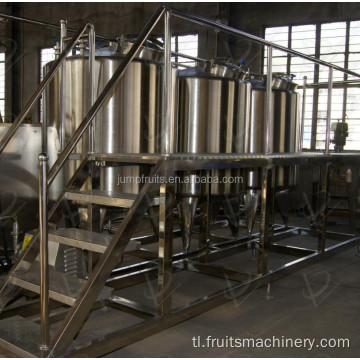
283 81
224 69
152 50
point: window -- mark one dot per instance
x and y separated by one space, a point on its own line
337 43
2 85
187 45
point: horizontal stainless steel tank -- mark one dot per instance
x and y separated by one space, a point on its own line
19 176
284 126
129 122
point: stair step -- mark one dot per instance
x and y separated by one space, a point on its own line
20 336
87 240
63 288
106 198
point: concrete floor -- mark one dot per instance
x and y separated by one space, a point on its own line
319 302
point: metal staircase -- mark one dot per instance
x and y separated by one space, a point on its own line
78 294
24 336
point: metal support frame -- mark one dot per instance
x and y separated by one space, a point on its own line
166 165
149 327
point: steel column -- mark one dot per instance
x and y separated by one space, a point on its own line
92 84
167 128
328 113
204 205
266 217
268 106
322 204
62 132
167 200
44 255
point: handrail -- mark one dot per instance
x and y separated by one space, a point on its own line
195 58
203 21
49 25
104 94
49 76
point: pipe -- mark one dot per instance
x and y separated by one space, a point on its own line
44 255
303 114
62 87
104 94
328 112
335 83
174 53
48 77
49 25
15 230
211 23
268 107
92 84
167 87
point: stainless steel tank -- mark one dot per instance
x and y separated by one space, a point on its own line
284 126
129 122
213 110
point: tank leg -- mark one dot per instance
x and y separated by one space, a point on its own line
282 201
251 201
322 208
166 209
154 219
232 213
267 215
268 295
204 229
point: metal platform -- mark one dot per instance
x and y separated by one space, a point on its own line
62 288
